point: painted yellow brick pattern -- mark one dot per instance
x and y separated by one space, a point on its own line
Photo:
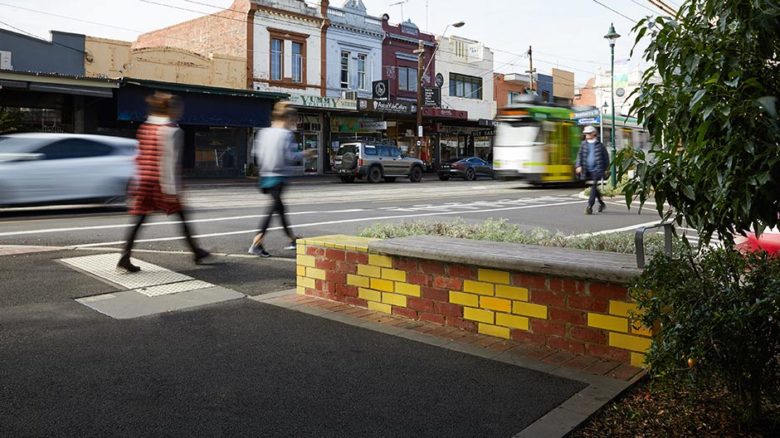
606 322
380 307
369 271
306 282
318 274
394 299
383 285
305 260
628 342
511 292
464 299
369 295
512 321
529 309
492 276
478 315
407 289
492 330
338 241
300 290
620 308
393 274
638 360
477 287
380 260
300 250
497 304
357 280
638 329
300 271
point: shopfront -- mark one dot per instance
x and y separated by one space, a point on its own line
399 120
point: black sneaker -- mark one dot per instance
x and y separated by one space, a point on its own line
125 265
259 251
602 206
589 209
201 255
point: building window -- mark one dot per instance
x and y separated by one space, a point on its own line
469 87
277 59
361 72
407 79
345 70
297 62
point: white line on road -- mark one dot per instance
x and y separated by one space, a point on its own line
314 224
615 230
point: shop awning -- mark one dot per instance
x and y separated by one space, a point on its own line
51 83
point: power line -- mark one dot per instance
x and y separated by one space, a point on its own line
37 37
616 11
643 5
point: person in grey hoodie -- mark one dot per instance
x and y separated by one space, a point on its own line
274 154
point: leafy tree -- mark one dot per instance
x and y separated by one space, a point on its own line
709 103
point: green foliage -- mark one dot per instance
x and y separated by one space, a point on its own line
722 310
499 230
709 103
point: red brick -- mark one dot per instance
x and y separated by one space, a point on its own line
345 267
359 258
624 372
529 281
566 344
524 336
574 317
335 277
592 304
418 278
432 317
436 294
327 264
356 301
315 251
430 267
606 352
461 323
448 310
406 313
548 328
608 291
346 291
565 285
421 304
318 284
463 272
405 264
556 299
447 283
589 335
335 254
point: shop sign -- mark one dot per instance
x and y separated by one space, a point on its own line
374 126
432 96
379 89
387 107
445 113
323 102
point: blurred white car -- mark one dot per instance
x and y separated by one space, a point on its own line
55 168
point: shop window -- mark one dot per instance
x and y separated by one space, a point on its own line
469 87
345 70
277 59
297 62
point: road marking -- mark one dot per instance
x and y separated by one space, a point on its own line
187 253
614 230
314 224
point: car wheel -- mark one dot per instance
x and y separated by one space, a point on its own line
389 179
415 175
444 178
374 174
470 175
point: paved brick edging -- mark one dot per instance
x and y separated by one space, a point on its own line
582 317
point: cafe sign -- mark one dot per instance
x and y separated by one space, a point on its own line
386 107
307 101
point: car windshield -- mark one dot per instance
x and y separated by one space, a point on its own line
347 148
17 145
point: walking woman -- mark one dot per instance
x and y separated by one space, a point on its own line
274 156
156 187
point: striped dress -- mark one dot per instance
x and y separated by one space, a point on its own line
154 186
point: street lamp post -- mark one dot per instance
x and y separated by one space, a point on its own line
601 121
612 36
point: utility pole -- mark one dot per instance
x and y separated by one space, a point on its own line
531 70
420 63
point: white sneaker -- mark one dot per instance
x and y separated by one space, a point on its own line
258 251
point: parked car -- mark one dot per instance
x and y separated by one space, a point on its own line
467 168
769 241
375 162
54 168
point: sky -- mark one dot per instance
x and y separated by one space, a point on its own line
565 34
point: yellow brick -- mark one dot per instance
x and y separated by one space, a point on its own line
315 273
498 304
477 287
464 299
620 308
407 289
519 322
492 276
305 260
306 282
528 309
300 271
394 299
638 329
357 280
638 360
606 322
383 285
369 271
492 330
478 315
300 290
628 342
369 295
511 292
393 274
379 307
300 249
380 260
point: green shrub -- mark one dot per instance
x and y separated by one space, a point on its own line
718 317
609 191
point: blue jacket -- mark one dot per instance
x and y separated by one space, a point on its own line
602 160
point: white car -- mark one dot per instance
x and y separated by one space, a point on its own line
56 168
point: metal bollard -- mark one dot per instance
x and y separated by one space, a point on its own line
639 241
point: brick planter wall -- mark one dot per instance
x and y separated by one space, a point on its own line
583 317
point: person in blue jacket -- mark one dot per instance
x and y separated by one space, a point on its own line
592 162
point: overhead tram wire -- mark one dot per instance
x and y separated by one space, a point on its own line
616 11
37 37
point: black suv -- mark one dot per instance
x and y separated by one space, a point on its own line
375 162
